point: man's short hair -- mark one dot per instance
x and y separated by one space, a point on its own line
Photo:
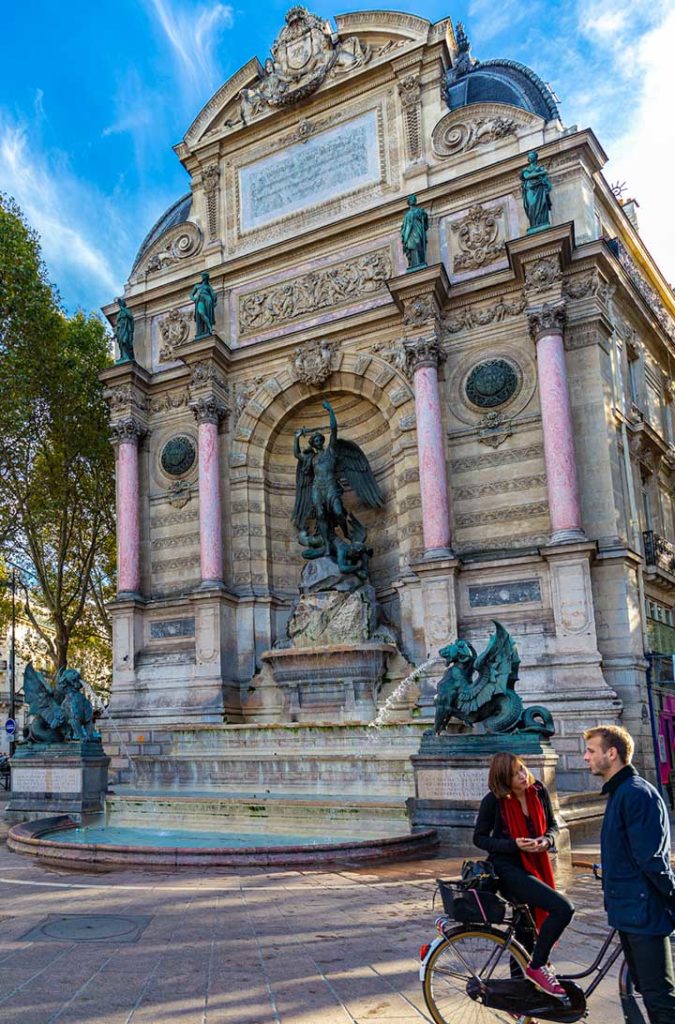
614 736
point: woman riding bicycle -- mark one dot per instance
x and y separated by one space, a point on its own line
517 826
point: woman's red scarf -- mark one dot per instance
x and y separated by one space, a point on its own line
537 864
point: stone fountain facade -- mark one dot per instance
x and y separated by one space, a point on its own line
489 391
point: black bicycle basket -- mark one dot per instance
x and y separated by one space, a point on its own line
469 905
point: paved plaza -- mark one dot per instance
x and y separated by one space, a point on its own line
285 947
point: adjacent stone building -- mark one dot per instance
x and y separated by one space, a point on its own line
514 397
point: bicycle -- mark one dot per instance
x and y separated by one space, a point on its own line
474 972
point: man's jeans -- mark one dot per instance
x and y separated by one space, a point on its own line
650 963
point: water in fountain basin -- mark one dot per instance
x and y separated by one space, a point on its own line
400 693
98 703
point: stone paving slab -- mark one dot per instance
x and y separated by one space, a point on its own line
247 947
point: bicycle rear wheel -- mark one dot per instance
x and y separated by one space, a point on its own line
471 951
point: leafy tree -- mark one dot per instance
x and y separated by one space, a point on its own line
56 463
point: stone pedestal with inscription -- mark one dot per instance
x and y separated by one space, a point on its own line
451 774
58 778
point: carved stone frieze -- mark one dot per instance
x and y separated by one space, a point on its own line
328 286
581 286
478 237
176 244
648 293
168 400
451 137
469 317
126 431
125 397
507 514
304 53
174 329
312 363
474 462
546 319
540 275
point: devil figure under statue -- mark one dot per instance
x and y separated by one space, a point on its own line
318 497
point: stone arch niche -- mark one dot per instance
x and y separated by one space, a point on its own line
375 407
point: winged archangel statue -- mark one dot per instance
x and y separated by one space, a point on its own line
61 711
490 698
318 497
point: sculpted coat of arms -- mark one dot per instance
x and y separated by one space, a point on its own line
305 51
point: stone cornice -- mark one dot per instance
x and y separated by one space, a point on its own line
421 295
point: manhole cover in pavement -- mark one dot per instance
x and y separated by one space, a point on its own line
89 928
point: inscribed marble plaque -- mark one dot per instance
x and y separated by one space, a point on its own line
453 784
162 629
46 780
513 592
331 164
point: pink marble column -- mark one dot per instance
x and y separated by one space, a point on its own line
546 326
209 413
126 434
431 448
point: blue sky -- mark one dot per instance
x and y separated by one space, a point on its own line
93 95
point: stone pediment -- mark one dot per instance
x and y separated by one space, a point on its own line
306 56
480 125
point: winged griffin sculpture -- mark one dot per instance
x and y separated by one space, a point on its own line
60 711
318 497
481 688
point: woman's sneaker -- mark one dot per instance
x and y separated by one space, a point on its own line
545 980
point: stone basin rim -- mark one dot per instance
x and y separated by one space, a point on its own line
27 837
328 649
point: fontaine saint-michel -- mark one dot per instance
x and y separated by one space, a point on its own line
394 367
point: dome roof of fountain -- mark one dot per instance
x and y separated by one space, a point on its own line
496 81
177 213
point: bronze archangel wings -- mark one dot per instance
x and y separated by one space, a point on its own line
353 466
40 697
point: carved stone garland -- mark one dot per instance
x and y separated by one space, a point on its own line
410 92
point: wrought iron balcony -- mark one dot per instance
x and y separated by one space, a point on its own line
659 552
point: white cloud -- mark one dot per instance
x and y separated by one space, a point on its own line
193 33
644 152
66 213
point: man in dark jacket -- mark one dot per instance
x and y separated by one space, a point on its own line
637 879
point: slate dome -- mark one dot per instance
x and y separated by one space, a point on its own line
496 81
178 213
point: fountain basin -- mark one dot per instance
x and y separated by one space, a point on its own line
335 682
58 840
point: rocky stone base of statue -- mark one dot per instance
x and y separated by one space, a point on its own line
451 775
58 778
337 653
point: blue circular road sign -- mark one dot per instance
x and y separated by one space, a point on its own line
10 726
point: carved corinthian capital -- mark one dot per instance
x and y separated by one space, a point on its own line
208 409
424 351
546 319
126 431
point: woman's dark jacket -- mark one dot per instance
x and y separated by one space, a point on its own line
491 833
637 878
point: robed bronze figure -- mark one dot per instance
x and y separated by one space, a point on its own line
318 497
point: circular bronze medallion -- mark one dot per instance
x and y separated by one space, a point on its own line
491 383
178 455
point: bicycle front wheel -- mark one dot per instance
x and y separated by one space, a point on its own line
458 959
